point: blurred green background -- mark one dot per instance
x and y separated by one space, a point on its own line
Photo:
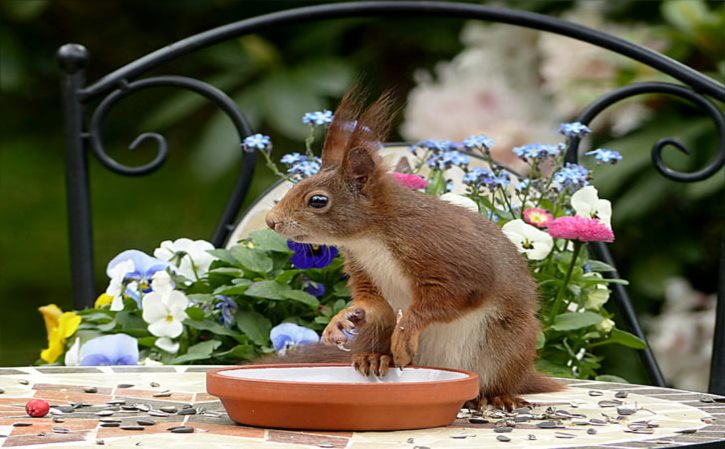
664 229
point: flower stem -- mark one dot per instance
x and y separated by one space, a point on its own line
560 294
308 143
272 166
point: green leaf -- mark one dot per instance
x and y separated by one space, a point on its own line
224 255
600 267
575 320
195 313
341 290
238 288
147 342
129 320
623 338
303 297
286 276
239 352
254 325
256 261
269 240
268 290
540 340
199 351
611 378
553 369
211 326
228 271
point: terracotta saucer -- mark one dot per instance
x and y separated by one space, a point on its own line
336 397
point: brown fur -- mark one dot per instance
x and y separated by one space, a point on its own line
454 263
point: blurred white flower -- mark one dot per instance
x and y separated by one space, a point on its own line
167 344
460 200
73 355
597 297
605 326
534 243
191 257
161 282
586 203
681 336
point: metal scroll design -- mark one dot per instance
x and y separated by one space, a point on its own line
713 166
212 93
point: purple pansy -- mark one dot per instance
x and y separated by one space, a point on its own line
116 349
307 255
287 335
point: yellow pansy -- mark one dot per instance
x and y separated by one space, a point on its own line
59 326
103 300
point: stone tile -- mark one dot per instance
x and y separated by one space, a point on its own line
11 371
111 432
67 369
149 395
231 430
199 369
281 436
46 425
51 438
71 388
143 369
64 397
205 397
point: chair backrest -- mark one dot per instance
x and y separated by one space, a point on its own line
83 127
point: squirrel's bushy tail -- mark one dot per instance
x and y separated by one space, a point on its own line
315 353
538 383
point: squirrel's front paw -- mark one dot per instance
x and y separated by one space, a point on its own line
342 325
404 345
370 362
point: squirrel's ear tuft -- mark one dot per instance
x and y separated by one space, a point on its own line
342 126
361 165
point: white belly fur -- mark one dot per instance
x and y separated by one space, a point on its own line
446 345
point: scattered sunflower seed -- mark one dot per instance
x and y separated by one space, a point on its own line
182 429
162 394
187 411
61 430
522 410
90 390
621 394
564 435
155 384
158 414
132 427
640 430
105 413
110 424
109 420
168 409
326 445
503 429
124 385
609 403
23 382
597 422
410 441
22 424
58 419
531 437
546 425
100 442
67 408
460 436
2 391
421 447
143 407
595 393
592 431
522 418
116 402
707 399
686 431
478 420
624 411
503 438
145 422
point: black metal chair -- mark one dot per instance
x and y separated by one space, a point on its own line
83 128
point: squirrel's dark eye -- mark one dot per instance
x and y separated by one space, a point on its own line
318 201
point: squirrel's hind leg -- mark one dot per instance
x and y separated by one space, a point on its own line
505 402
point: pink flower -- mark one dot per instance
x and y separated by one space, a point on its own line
410 181
537 217
580 228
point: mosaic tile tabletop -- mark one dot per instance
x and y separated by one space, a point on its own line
168 407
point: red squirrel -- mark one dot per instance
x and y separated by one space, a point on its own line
467 298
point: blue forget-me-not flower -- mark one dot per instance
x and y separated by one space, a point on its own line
257 142
574 129
605 155
318 118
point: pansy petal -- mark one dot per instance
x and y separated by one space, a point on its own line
154 308
96 360
166 328
167 344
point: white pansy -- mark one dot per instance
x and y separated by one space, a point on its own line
191 257
161 282
533 242
605 326
167 344
150 362
586 203
117 274
73 355
164 312
597 297
460 200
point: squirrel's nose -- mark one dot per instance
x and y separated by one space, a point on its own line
270 222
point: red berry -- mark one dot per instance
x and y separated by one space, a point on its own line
37 408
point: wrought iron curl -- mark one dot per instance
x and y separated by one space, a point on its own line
215 95
603 102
